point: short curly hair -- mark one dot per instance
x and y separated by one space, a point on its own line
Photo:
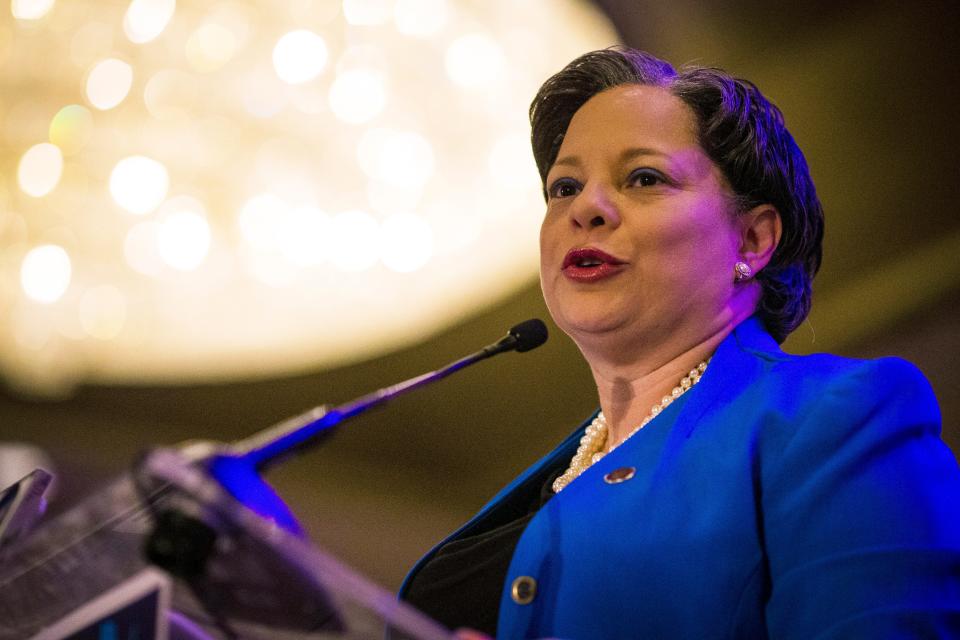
740 130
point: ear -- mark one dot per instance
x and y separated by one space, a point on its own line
760 230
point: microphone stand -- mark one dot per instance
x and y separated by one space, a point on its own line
184 544
313 426
202 512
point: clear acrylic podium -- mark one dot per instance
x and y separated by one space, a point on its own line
236 574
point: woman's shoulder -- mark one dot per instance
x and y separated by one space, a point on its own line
830 373
823 405
828 367
844 379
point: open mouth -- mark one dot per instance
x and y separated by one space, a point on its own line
589 264
588 257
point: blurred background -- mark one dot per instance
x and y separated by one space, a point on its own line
216 214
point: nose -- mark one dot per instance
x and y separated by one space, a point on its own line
593 207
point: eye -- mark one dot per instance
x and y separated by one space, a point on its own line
646 177
563 188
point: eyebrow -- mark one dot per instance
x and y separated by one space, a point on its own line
627 154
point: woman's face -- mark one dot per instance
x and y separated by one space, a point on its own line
639 233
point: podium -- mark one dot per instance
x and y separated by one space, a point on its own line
239 566
228 571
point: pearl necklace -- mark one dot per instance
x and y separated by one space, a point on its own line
594 438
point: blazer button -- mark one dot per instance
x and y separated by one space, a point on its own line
523 590
620 475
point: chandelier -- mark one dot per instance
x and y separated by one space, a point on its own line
222 189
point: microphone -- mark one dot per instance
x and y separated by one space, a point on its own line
266 447
521 338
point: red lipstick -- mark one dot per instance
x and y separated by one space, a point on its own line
590 265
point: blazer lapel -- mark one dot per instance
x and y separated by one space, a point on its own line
734 366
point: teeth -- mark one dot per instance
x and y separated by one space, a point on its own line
589 263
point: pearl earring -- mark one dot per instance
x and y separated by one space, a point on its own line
742 271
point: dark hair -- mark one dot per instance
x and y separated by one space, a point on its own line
741 131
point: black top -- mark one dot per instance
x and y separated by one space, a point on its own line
461 585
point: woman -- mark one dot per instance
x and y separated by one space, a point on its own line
726 489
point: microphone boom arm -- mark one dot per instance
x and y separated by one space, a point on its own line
266 447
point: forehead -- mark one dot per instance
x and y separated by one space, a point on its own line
631 116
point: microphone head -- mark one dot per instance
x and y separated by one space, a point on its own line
529 334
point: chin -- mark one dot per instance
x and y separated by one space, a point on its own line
584 322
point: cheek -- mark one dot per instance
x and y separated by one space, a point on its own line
544 251
547 238
701 246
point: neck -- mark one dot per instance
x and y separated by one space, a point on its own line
628 387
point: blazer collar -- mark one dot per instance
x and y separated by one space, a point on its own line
737 362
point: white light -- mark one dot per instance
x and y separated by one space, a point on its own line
370 147
299 56
183 240
511 162
40 169
30 9
420 17
356 241
109 83
45 273
474 61
146 19
366 13
139 184
357 96
306 238
210 47
385 198
170 94
407 242
405 160
399 158
261 221
263 96
140 248
103 312
309 99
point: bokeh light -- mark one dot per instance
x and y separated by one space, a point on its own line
262 93
139 184
405 160
306 239
420 17
407 242
510 162
71 129
109 83
327 155
260 221
367 13
103 312
358 96
356 241
141 248
210 47
40 169
183 240
45 273
30 9
299 56
146 19
171 94
402 159
474 61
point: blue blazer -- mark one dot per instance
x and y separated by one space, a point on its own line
784 496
